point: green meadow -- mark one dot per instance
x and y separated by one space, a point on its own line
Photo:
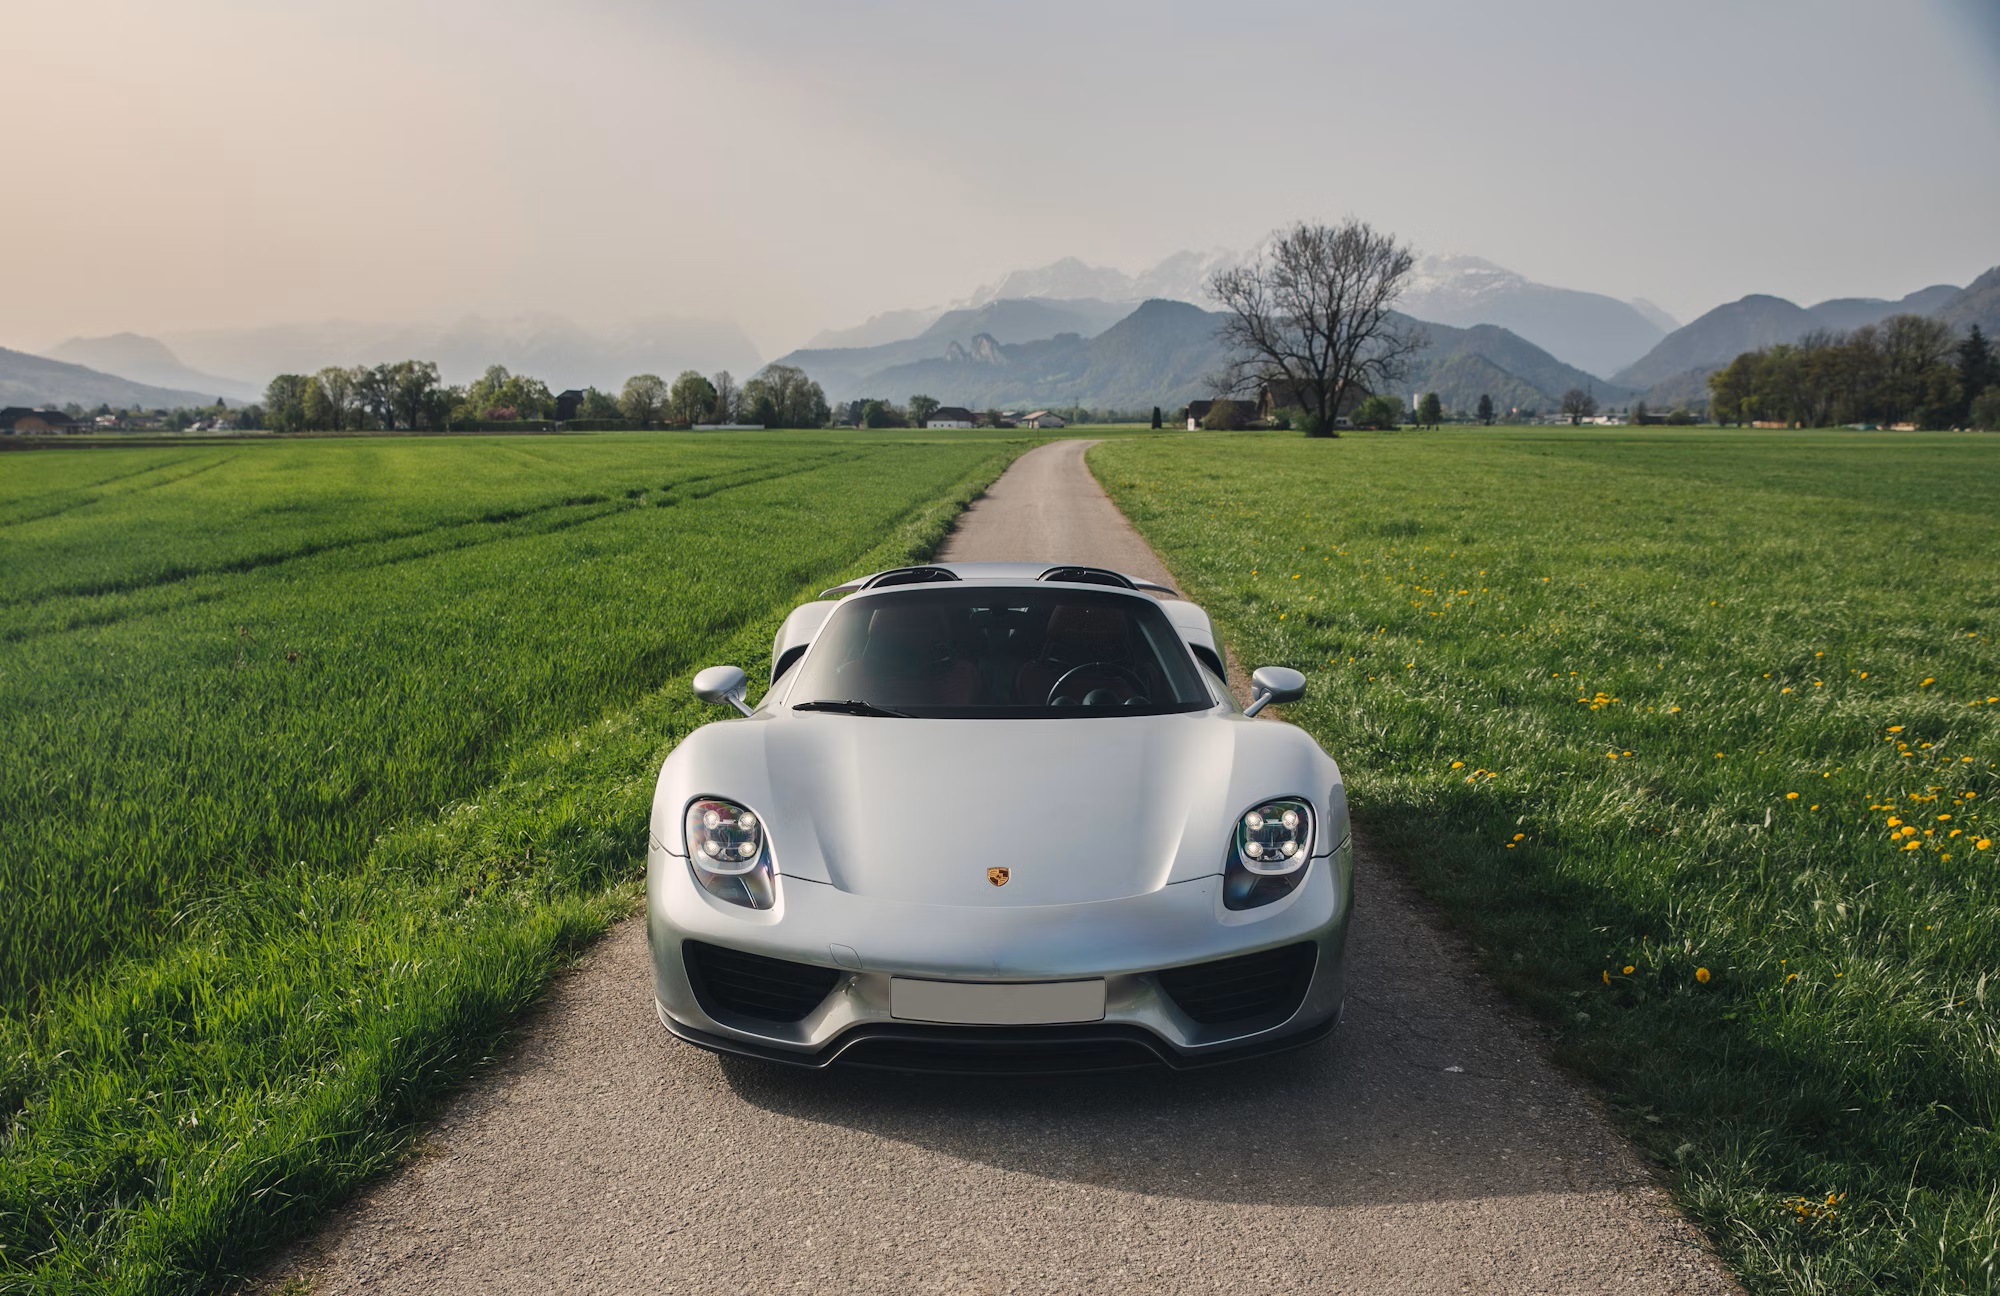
1694 736
321 756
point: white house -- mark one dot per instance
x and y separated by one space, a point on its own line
949 416
1042 419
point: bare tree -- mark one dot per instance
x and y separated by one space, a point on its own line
1312 319
1578 405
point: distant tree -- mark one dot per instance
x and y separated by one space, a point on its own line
1578 405
1313 314
440 406
921 408
336 404
598 405
727 397
1978 369
285 402
1223 416
1383 412
504 396
1985 412
690 399
1156 418
251 417
413 388
644 399
781 396
1485 409
1729 390
1430 411
993 419
1920 384
881 414
1640 414
375 395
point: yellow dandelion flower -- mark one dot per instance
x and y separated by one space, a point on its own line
1983 843
1701 975
1458 764
1607 976
1911 845
1927 683
1791 796
1628 969
1520 836
1895 728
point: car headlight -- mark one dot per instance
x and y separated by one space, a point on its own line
730 853
1268 853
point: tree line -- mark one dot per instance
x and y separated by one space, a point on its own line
1908 369
410 395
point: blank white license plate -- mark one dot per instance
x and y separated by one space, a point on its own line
968 1003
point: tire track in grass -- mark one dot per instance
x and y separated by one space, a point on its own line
259 562
73 505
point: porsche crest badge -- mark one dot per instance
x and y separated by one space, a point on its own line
998 876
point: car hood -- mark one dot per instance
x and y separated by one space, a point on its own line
920 810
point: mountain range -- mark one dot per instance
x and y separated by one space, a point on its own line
1064 333
1591 331
33 380
1716 338
148 360
1164 353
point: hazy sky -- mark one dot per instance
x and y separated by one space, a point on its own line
795 164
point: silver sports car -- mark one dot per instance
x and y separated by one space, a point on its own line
998 817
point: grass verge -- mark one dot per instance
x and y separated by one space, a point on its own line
1695 736
177 1106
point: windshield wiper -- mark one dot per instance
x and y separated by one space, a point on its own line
851 707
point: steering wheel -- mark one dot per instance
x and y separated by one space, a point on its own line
1124 673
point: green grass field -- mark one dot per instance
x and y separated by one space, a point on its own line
1694 734
321 755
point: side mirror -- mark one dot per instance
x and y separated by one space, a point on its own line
718 684
1278 684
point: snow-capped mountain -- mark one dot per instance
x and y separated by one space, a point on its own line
1594 332
1591 331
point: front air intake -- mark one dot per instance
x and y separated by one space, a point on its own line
730 982
1236 990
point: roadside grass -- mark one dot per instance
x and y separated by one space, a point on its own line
323 757
1695 735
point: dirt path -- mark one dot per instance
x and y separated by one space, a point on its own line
1426 1148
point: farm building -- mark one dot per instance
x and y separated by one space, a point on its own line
34 422
1043 419
569 404
950 416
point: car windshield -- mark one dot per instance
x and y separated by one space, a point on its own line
965 652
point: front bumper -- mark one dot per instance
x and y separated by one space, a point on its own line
1126 942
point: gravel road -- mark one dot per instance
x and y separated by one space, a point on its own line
1427 1147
